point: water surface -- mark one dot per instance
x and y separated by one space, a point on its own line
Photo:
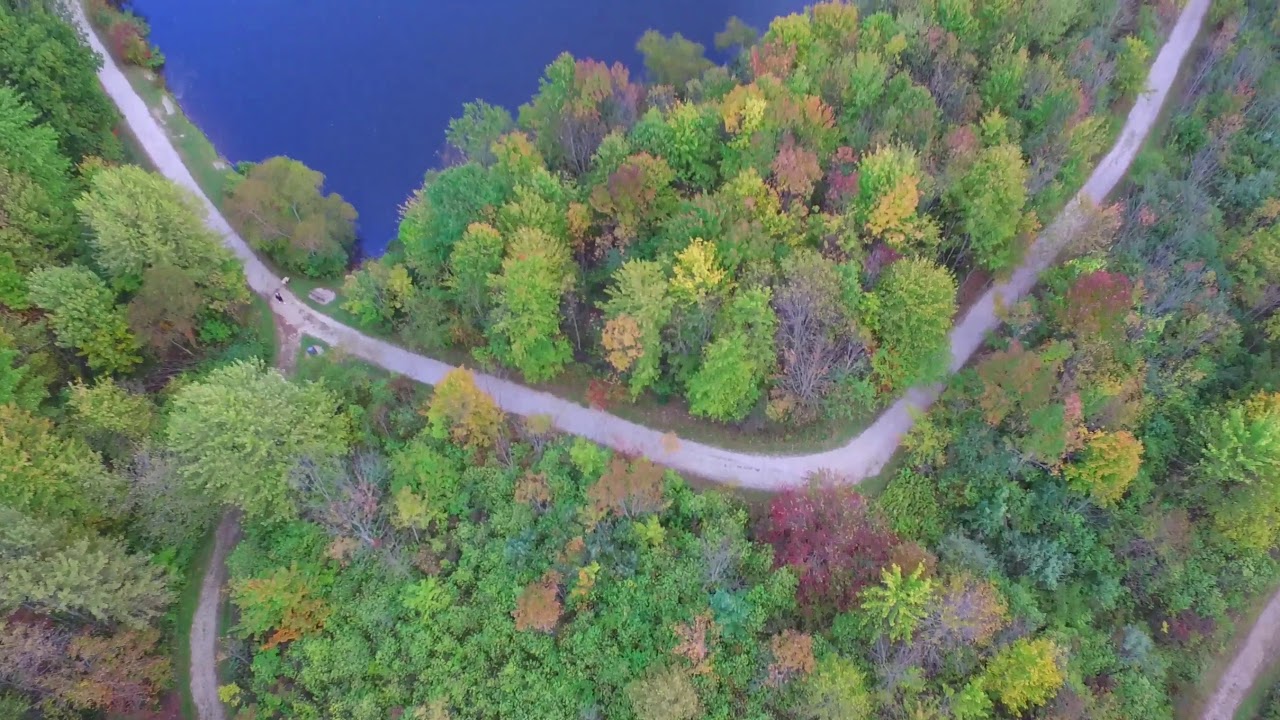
363 90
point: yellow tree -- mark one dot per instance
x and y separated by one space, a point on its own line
622 342
697 273
1109 462
463 412
1024 675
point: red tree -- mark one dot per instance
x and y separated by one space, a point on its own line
828 536
1096 304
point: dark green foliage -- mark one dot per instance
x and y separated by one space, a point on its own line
43 59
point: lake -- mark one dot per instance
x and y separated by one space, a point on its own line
362 91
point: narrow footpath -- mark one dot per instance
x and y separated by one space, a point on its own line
204 623
861 458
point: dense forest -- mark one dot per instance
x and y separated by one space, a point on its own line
1067 534
782 239
113 294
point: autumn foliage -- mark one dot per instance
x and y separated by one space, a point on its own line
627 489
829 537
538 607
281 606
1096 304
463 412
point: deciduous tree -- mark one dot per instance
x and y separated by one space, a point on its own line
737 362
281 606
814 338
378 292
538 607
281 209
525 334
53 567
239 431
1024 675
915 300
664 694
837 690
119 672
627 489
1096 305
792 657
463 412
475 257
736 35
45 61
164 311
474 133
85 317
988 200
140 219
36 221
1109 463
50 476
828 536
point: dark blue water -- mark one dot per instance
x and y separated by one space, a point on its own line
362 90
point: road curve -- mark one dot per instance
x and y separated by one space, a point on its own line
862 457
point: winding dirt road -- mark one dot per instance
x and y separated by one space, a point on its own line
862 457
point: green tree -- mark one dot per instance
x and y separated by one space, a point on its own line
240 431
525 334
899 602
140 219
1131 66
51 567
639 292
108 415
50 476
989 199
475 257
18 386
36 222
437 215
1240 459
736 364
281 208
688 138
1240 444
910 313
378 293
1024 675
837 690
672 60
474 133
43 59
85 317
